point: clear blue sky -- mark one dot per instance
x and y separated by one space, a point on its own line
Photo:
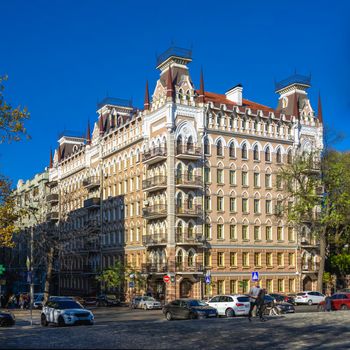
63 56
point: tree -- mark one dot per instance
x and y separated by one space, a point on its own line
113 277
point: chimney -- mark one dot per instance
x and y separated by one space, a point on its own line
235 94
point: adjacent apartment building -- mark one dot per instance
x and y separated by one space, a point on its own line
188 187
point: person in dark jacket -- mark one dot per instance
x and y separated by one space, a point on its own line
328 303
260 304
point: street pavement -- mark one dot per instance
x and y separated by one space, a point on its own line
129 329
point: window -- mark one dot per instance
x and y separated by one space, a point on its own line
256 180
221 261
278 156
279 182
220 203
245 259
220 231
267 154
207 259
245 208
279 208
256 206
207 231
291 259
268 233
290 234
219 149
256 233
190 201
269 261
256 153
179 200
291 285
268 206
245 286
279 233
244 151
233 232
206 146
206 174
232 205
207 205
269 285
233 259
280 285
190 231
268 181
289 157
232 151
221 287
233 286
245 233
257 259
232 177
190 258
244 178
220 176
280 259
190 173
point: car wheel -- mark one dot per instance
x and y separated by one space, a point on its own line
169 316
61 322
229 312
310 302
43 321
344 307
192 316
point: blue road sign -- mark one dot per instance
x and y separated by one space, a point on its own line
131 284
255 276
207 279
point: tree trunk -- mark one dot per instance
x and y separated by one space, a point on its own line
48 274
322 259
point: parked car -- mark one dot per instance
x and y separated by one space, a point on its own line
148 303
188 309
65 311
230 305
38 300
280 298
309 297
6 319
90 301
135 302
107 300
285 308
339 301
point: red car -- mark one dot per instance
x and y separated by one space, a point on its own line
340 301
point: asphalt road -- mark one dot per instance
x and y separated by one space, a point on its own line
126 329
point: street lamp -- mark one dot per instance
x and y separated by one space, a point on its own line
30 266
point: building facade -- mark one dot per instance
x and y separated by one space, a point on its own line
188 186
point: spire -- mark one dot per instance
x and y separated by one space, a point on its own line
146 101
169 85
51 160
88 133
201 89
296 107
319 109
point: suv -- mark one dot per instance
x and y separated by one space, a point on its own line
107 300
65 311
148 303
230 305
309 297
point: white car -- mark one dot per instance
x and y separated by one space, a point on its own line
148 303
65 311
309 297
230 305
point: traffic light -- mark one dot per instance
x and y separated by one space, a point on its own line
172 279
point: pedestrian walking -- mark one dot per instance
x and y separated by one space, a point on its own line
21 301
328 303
260 304
253 294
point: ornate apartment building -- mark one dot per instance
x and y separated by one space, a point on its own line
188 186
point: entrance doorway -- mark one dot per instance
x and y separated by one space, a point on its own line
185 289
307 283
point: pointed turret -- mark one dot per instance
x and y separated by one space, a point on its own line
201 97
319 109
146 104
51 159
169 86
88 134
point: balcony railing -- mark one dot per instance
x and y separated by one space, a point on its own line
154 155
188 150
188 180
189 237
154 182
155 239
92 203
52 198
154 268
195 210
185 267
91 182
53 216
155 211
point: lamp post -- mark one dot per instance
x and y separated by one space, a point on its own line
30 265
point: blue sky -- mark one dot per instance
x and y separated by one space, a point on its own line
64 56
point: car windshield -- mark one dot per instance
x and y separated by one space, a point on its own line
197 303
68 304
149 299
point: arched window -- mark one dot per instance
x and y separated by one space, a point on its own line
232 150
289 157
190 230
179 228
267 154
179 200
180 94
190 173
179 171
256 152
179 258
190 201
188 95
218 119
278 156
206 146
190 258
179 144
219 150
190 144
244 151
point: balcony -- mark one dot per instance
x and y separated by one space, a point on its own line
91 183
186 268
185 211
189 181
155 211
189 238
154 183
155 239
154 155
310 268
188 152
53 216
52 198
92 203
154 268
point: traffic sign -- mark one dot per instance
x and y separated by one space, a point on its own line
166 279
2 269
255 276
207 279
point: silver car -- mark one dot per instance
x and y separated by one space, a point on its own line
309 297
148 303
